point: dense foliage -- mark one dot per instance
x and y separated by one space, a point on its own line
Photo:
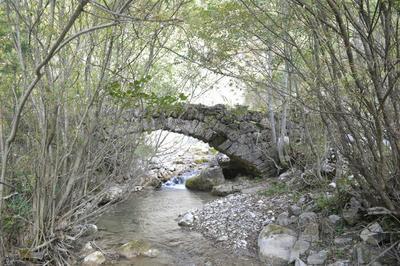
71 70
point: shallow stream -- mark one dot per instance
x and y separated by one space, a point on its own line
152 216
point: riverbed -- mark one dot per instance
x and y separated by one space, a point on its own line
151 216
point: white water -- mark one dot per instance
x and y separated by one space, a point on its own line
178 182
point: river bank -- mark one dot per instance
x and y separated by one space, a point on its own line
283 223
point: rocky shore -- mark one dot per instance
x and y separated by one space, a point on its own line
281 227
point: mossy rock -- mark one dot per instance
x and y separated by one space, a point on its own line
198 183
134 248
201 161
206 179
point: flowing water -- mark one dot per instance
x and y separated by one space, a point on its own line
152 216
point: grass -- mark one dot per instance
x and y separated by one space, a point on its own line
324 202
276 188
333 203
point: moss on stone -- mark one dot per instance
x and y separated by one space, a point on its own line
201 161
197 183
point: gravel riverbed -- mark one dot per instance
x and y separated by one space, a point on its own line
235 221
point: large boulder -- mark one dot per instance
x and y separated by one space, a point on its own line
275 244
206 179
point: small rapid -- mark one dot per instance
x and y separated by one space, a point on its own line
178 182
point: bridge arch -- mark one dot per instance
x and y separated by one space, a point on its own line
243 135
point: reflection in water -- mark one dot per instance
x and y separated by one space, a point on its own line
152 217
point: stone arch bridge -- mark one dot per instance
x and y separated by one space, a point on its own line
243 135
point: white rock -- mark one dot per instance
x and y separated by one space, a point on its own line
373 234
186 220
275 243
332 185
95 258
